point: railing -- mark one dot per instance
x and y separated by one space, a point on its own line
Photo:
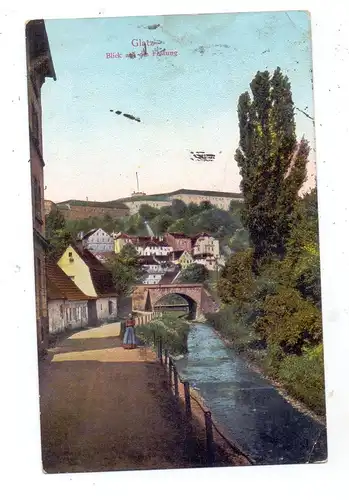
182 392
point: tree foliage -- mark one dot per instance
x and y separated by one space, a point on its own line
270 286
147 212
194 273
126 269
272 163
54 221
236 280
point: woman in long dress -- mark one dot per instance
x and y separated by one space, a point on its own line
130 341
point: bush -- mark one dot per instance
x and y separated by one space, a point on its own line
233 325
303 377
273 360
172 330
289 321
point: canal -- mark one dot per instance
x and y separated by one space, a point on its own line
268 428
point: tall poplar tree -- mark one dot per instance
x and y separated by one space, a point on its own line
272 163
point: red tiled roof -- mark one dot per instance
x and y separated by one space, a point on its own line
124 236
60 286
180 235
200 235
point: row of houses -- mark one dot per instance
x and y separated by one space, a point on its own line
160 257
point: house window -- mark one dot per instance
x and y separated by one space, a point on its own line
61 311
110 304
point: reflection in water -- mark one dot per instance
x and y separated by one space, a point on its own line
254 414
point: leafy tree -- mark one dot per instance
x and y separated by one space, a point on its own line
236 281
166 210
215 221
205 205
272 163
194 273
289 321
58 243
161 223
193 209
235 206
178 209
54 221
147 212
182 226
240 240
126 269
135 225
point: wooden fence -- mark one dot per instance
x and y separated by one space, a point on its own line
193 407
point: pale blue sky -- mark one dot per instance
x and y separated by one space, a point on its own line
185 103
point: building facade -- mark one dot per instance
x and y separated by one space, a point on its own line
98 241
134 205
94 280
219 199
205 244
67 304
78 210
178 241
39 67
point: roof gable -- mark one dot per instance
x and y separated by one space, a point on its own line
60 286
101 277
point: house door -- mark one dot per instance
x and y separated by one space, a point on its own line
92 312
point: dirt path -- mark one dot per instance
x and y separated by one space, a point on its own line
104 408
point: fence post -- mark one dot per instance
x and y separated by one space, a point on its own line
170 363
209 438
175 379
187 399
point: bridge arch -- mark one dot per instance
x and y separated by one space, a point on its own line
145 298
189 303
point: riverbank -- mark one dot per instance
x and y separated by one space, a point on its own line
173 332
250 357
254 413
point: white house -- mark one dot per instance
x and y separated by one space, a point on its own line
152 279
98 241
152 247
67 304
211 263
205 244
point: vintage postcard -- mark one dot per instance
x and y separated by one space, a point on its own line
177 270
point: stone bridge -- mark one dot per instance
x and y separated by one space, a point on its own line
145 297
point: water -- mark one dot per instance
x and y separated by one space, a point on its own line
253 413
